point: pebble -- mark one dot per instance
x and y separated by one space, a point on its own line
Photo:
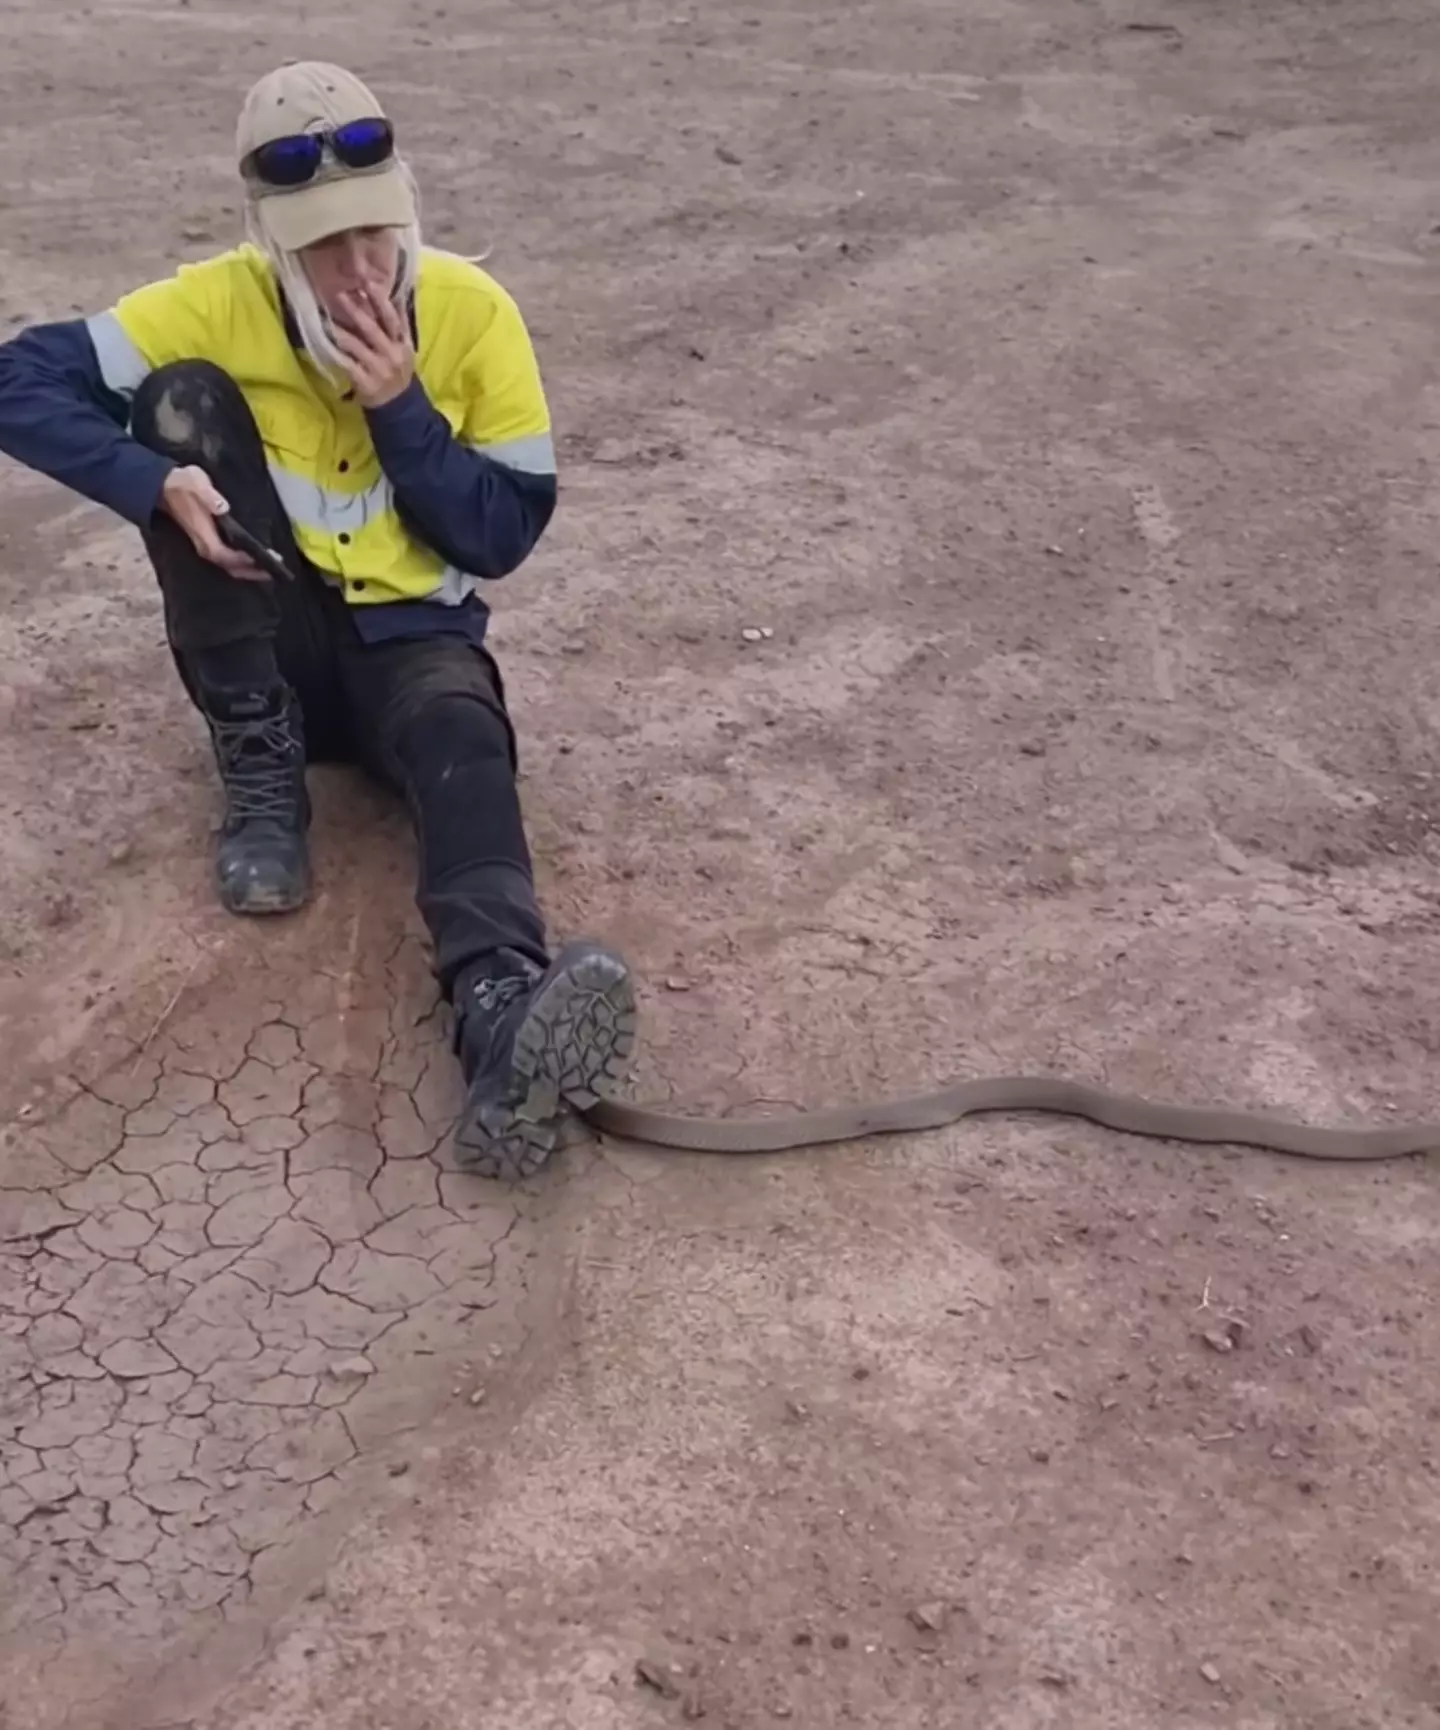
1224 1339
398 1468
1211 1674
929 1618
356 1366
478 1397
662 1677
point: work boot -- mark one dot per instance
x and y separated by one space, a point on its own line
535 1044
262 862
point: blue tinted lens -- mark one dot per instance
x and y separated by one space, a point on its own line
288 161
363 143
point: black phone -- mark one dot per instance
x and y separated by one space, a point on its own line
239 539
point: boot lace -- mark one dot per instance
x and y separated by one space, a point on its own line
257 765
484 1000
490 996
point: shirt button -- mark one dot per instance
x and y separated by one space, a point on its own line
358 586
344 468
344 540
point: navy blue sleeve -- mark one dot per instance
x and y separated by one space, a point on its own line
483 517
57 416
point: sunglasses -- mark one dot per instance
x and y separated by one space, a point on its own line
295 161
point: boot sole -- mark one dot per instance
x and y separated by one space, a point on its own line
572 1051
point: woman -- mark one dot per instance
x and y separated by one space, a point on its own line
328 439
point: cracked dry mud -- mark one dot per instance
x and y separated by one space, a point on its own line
220 1260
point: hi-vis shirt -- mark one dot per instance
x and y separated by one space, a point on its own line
452 482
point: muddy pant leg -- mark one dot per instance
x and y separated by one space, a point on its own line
431 721
255 657
225 633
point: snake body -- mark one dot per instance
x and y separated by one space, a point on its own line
1010 1093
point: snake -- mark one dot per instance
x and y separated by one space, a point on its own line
1125 1112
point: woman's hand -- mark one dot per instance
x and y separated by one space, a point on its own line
190 498
379 355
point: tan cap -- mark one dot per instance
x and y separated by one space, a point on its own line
311 96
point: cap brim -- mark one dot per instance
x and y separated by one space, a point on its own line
308 214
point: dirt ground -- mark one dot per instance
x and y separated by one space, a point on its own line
1051 381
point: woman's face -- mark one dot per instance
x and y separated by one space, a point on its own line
361 261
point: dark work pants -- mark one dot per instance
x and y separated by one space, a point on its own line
425 715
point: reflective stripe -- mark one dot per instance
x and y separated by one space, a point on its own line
315 507
528 456
122 365
455 587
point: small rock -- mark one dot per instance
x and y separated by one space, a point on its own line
840 1642
1309 1338
693 1708
1279 1452
929 1618
726 154
796 1412
662 1677
345 1367
1211 1674
802 1639
478 1397
315 1594
1054 1679
1033 748
752 634
1226 1338
398 1468
1041 1456
676 983
123 854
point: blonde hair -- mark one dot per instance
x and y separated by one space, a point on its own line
300 296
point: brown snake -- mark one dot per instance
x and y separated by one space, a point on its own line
1122 1111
